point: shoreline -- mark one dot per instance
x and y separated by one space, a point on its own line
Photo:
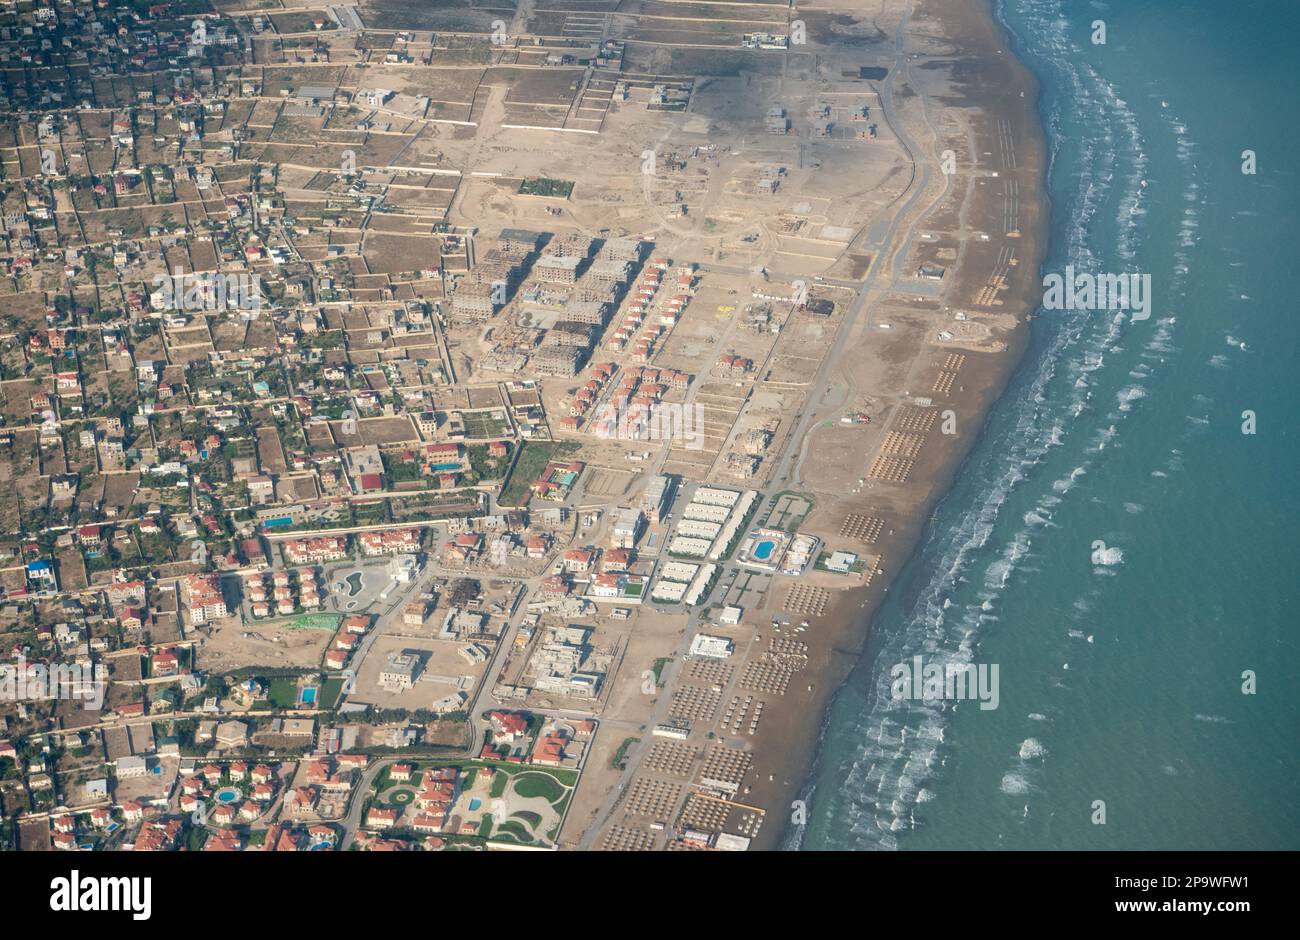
852 614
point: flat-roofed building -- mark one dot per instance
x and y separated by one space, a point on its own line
563 361
315 94
415 613
570 333
706 513
692 547
131 765
698 529
592 312
657 496
622 249
714 496
682 571
474 302
626 528
670 592
509 259
570 245
703 578
400 671
841 562
518 238
711 647
588 292
559 269
608 273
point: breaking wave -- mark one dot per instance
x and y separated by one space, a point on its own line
891 770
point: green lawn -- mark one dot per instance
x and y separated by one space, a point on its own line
515 830
620 755
529 818
536 783
315 622
533 458
542 186
284 693
328 695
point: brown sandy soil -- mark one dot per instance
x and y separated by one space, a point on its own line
978 89
440 658
232 645
625 714
925 380
598 776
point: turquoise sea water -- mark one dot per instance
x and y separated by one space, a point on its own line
1120 665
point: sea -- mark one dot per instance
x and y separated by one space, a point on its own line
1121 543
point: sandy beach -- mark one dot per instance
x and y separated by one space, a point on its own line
961 73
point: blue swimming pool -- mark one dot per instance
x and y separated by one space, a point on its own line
309 696
474 803
763 550
227 795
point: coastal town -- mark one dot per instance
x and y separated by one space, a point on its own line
470 428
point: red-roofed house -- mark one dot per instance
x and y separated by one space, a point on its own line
165 663
507 726
578 559
401 772
427 823
549 751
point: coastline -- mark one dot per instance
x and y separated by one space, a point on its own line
796 725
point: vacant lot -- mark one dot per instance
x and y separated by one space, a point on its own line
262 644
380 431
442 671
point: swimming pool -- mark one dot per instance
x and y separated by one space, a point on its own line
309 696
446 466
227 795
474 803
763 550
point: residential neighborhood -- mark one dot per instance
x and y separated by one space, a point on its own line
447 427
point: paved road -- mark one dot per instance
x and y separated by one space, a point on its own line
352 822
